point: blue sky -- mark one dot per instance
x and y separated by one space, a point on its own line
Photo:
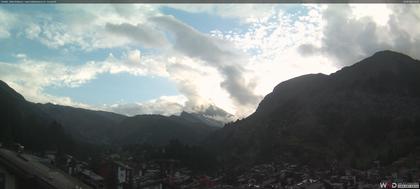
205 22
104 87
111 88
181 56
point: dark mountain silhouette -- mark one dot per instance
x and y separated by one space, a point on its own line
23 122
364 112
99 127
85 125
201 118
43 125
158 129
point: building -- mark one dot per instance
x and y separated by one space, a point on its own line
19 170
117 175
92 179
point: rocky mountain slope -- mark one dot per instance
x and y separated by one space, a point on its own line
361 113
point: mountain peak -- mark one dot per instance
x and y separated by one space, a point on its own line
388 53
383 71
200 118
388 57
382 62
326 116
5 89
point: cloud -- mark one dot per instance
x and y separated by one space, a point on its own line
206 69
347 39
253 11
229 69
217 53
307 49
235 83
195 44
405 37
144 34
380 16
273 45
30 79
88 27
351 33
30 76
54 34
7 20
169 105
164 105
197 81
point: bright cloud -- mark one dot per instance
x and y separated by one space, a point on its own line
253 11
30 76
227 68
350 33
8 21
164 105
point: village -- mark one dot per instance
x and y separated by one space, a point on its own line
114 171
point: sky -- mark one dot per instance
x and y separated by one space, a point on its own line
167 58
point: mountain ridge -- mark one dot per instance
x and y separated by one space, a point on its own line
93 126
316 116
22 122
364 112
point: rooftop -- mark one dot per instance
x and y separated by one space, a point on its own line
29 166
